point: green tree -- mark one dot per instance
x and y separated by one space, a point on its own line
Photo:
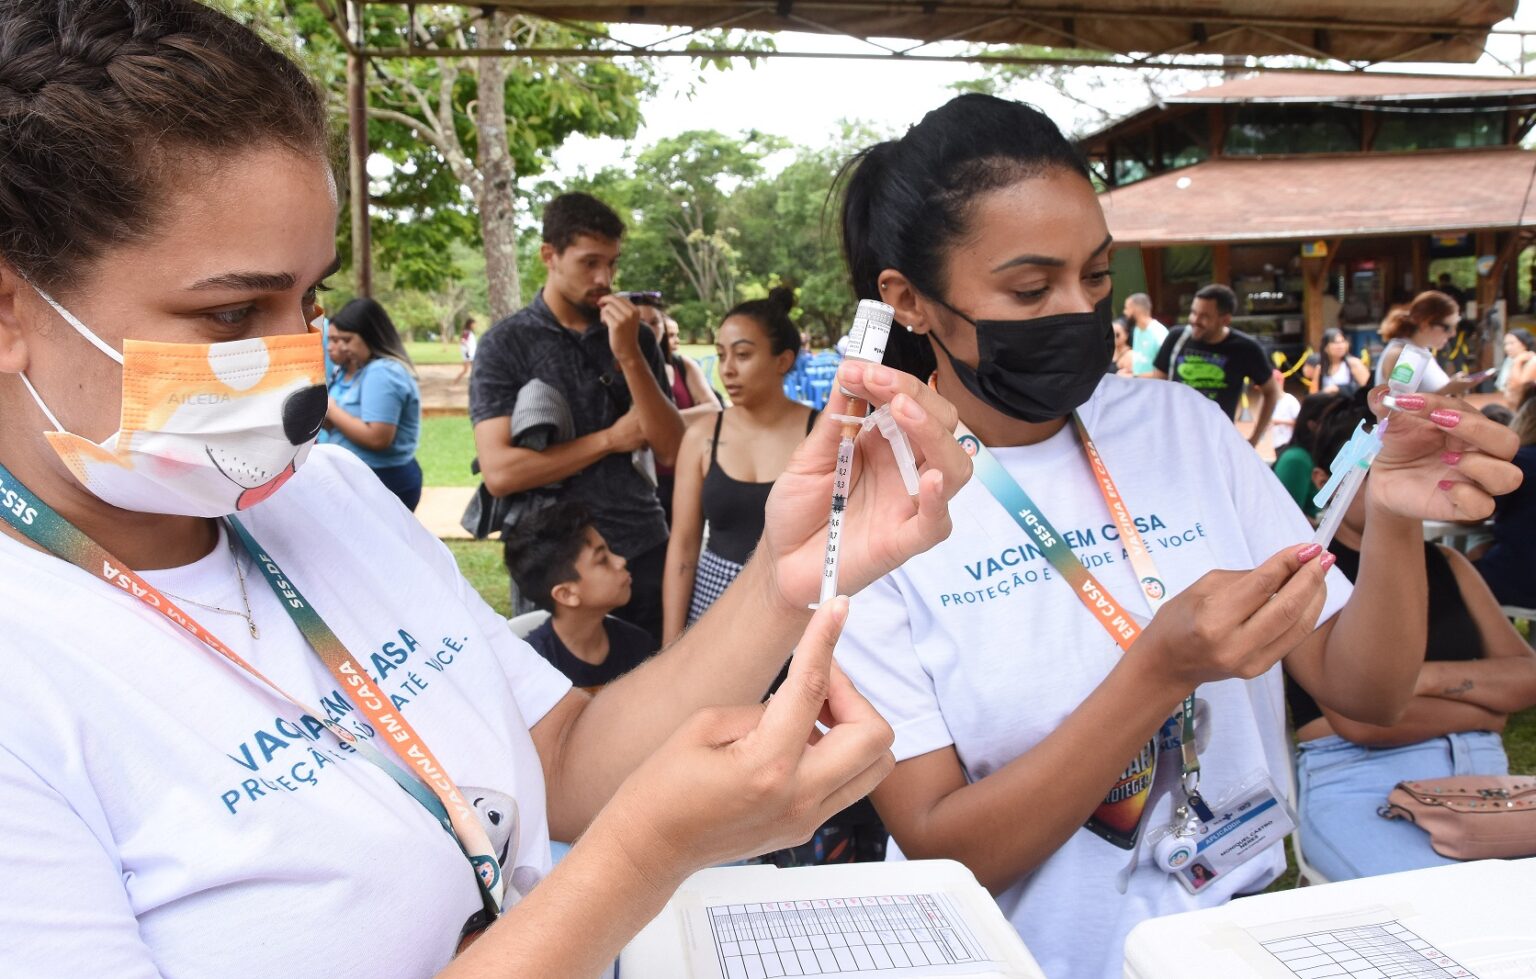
462 132
790 233
689 181
459 132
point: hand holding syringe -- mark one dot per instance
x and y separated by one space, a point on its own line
866 341
1348 469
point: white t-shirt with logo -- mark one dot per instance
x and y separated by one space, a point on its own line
979 644
163 814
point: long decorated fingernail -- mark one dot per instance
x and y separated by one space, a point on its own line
1450 458
1307 552
1446 484
1445 417
1327 560
1407 402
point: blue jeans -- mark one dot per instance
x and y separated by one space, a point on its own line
404 481
1343 784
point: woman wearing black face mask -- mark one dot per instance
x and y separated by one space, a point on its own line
1021 716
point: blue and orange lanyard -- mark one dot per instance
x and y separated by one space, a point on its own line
1108 611
417 771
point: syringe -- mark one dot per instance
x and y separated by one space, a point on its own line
835 520
1348 469
866 341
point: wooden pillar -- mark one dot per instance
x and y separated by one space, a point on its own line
1152 267
357 126
1314 285
1221 264
1509 288
1216 130
1419 264
1487 285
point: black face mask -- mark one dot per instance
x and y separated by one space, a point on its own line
1041 369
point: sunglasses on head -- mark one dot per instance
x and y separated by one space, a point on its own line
645 299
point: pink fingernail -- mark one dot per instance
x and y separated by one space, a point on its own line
1327 560
1307 552
911 409
853 371
882 375
1446 484
1450 458
1409 402
1445 418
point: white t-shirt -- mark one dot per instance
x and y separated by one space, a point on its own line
163 814
978 643
1282 424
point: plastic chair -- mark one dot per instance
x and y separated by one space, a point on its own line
523 624
1517 614
1306 874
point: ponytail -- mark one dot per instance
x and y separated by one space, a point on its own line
772 314
1427 308
1398 324
906 202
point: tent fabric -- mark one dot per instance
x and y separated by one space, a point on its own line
1356 30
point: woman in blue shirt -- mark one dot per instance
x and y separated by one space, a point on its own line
375 408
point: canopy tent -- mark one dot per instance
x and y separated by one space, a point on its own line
1113 33
1356 31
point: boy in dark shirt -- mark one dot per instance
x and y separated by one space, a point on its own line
564 566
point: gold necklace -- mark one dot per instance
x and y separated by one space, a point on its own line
250 621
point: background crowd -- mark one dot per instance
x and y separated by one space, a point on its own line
628 487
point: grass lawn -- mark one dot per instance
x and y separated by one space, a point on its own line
480 561
446 450
433 352
437 352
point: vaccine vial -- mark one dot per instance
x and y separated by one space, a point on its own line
869 334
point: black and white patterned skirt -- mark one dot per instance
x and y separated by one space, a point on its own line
714 575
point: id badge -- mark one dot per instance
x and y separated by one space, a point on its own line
1246 822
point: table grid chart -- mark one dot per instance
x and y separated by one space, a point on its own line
831 936
1378 951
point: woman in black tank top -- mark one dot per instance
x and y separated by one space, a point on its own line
727 465
1477 670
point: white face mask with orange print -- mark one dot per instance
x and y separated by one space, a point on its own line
207 429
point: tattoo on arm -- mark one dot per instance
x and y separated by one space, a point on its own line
1464 686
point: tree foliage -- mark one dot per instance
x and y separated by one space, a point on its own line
459 133
715 219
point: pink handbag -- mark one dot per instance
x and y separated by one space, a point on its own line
1470 817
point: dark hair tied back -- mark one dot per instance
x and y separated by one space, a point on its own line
905 202
97 95
772 314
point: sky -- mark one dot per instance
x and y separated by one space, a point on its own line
804 99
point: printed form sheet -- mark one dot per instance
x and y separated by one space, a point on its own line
849 937
1372 946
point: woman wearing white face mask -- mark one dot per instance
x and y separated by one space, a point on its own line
257 698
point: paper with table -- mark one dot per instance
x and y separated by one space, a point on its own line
853 921
1371 944
1468 920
